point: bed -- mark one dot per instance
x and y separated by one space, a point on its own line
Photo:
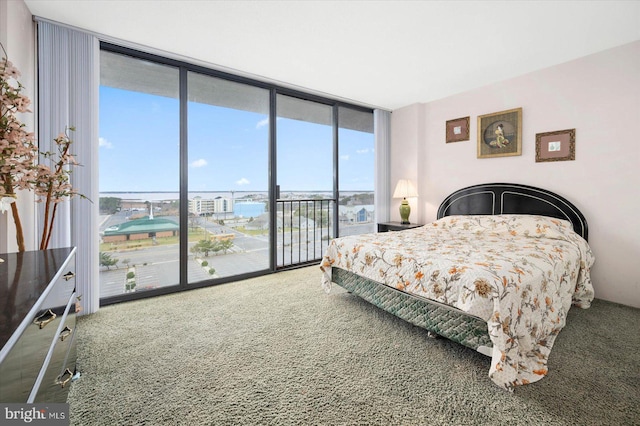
497 272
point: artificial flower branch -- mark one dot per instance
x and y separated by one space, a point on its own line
19 153
54 186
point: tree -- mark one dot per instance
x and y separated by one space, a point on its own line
107 260
357 199
205 246
109 205
319 215
194 222
225 245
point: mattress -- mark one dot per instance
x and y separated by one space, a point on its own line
519 274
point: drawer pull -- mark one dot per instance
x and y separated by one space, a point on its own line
64 378
66 332
45 319
68 276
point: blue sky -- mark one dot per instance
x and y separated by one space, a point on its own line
228 149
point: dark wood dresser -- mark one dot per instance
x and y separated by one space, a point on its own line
38 308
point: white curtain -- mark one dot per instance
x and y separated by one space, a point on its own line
382 133
68 79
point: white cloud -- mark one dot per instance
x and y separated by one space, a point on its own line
344 157
199 163
265 122
262 123
104 143
362 151
243 181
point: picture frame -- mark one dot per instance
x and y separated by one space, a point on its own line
500 134
556 146
457 130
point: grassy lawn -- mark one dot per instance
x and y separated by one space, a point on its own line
194 236
252 232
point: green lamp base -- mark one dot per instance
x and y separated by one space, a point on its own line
405 210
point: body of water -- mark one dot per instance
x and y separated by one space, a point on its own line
249 208
174 196
238 196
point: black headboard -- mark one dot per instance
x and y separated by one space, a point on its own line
512 198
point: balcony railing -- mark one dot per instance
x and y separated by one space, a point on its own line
304 230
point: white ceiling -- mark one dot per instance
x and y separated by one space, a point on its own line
384 54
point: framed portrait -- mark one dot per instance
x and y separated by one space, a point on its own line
458 129
556 146
500 134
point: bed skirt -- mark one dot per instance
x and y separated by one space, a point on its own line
443 320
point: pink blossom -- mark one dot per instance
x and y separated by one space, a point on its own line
19 167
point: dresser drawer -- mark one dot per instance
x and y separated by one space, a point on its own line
22 364
38 291
56 379
12 375
39 335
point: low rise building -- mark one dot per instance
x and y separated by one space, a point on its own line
356 214
140 229
207 206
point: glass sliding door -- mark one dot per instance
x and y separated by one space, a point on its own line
305 204
228 177
206 177
356 162
139 175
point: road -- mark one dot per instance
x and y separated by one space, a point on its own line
158 266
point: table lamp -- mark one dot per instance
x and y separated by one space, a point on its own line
405 189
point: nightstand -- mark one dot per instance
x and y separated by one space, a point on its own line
397 226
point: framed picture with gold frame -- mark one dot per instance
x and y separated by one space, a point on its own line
458 129
556 146
500 134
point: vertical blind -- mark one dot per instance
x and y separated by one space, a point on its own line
68 78
382 189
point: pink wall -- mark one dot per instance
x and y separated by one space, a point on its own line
599 96
18 38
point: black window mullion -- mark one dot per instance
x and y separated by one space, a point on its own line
184 175
336 154
273 182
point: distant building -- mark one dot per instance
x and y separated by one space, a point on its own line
356 214
135 205
207 206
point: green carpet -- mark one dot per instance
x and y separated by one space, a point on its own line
278 350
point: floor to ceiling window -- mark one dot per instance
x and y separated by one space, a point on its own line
207 177
305 204
139 175
228 146
356 159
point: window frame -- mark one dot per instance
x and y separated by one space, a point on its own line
184 68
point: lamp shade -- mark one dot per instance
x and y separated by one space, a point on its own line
405 189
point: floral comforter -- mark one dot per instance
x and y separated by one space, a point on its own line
520 273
